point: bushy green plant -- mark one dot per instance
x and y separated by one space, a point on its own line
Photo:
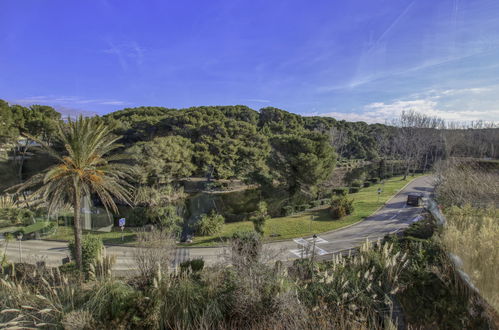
340 191
210 224
357 183
353 190
111 300
69 268
367 184
341 206
165 217
260 217
137 217
17 215
92 248
194 265
246 246
302 207
316 203
288 210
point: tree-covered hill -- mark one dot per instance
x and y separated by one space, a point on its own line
236 142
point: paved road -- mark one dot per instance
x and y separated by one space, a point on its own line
394 216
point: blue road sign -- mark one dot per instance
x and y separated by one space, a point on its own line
122 222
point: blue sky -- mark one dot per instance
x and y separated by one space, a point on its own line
356 60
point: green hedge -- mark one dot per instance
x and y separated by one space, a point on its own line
353 190
340 191
357 183
302 207
288 210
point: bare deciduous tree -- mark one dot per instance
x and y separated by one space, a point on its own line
154 252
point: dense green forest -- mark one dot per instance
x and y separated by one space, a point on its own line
269 146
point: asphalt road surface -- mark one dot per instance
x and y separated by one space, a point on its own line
395 215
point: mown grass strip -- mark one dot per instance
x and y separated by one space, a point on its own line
314 221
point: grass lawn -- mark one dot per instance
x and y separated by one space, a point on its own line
301 224
297 225
64 233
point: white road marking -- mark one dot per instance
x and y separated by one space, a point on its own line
309 241
304 252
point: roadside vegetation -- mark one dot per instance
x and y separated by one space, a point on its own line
402 280
469 194
314 221
308 175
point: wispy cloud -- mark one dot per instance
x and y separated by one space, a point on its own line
365 79
67 100
126 52
430 103
258 100
381 112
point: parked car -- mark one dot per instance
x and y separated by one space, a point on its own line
415 199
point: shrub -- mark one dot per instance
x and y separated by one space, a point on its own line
194 265
17 216
91 249
260 217
374 180
210 224
69 268
422 229
357 183
316 203
153 252
183 304
367 184
288 210
340 191
137 217
302 207
246 247
341 206
110 300
165 217
353 190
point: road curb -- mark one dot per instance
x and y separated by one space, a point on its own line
179 246
355 223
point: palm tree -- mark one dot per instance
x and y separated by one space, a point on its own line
83 168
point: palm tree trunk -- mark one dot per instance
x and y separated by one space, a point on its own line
77 230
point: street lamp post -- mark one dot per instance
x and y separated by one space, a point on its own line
20 238
313 246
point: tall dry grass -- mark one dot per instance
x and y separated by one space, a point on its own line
352 292
458 183
473 235
470 196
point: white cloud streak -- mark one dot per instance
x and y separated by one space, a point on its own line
72 100
258 100
426 103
